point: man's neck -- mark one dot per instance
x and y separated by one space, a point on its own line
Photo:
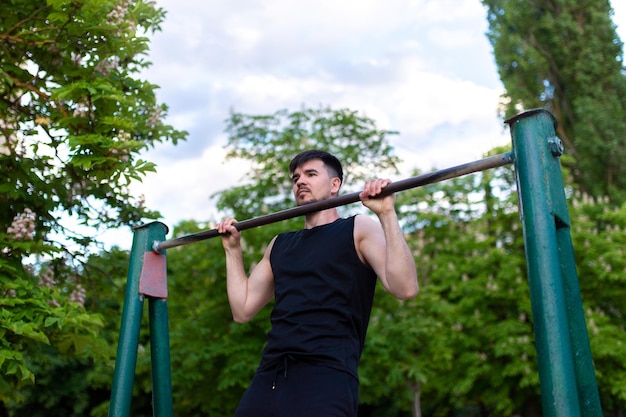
320 218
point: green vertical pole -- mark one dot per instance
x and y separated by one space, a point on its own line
583 363
589 398
126 361
568 386
160 357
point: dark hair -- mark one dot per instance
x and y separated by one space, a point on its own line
330 162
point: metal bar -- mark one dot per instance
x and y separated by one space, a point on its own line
126 359
541 211
413 182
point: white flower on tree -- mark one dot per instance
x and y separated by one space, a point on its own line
23 225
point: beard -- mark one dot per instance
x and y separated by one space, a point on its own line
309 200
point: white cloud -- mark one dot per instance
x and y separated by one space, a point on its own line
182 189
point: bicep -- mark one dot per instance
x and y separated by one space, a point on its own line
371 246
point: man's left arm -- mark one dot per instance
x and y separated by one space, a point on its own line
383 246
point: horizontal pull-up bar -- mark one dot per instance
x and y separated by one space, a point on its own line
413 182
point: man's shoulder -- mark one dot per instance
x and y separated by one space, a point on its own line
364 220
364 226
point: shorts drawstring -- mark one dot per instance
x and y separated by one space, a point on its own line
286 359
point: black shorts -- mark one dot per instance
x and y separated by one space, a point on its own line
299 389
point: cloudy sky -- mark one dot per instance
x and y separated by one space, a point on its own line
420 67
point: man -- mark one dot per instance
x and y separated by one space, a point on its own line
323 279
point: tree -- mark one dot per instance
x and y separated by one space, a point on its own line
270 141
567 57
598 235
74 117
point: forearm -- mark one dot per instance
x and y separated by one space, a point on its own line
400 270
236 283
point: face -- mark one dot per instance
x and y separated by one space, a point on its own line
312 182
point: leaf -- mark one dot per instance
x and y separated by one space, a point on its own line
29 330
51 321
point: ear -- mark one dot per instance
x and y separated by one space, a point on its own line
335 185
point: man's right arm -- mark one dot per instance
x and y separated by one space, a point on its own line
246 295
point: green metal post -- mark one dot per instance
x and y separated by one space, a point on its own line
126 362
583 364
568 386
160 357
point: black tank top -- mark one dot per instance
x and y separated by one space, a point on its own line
323 298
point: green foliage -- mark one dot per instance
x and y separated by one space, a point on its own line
466 340
76 396
32 316
83 361
74 118
599 236
566 56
